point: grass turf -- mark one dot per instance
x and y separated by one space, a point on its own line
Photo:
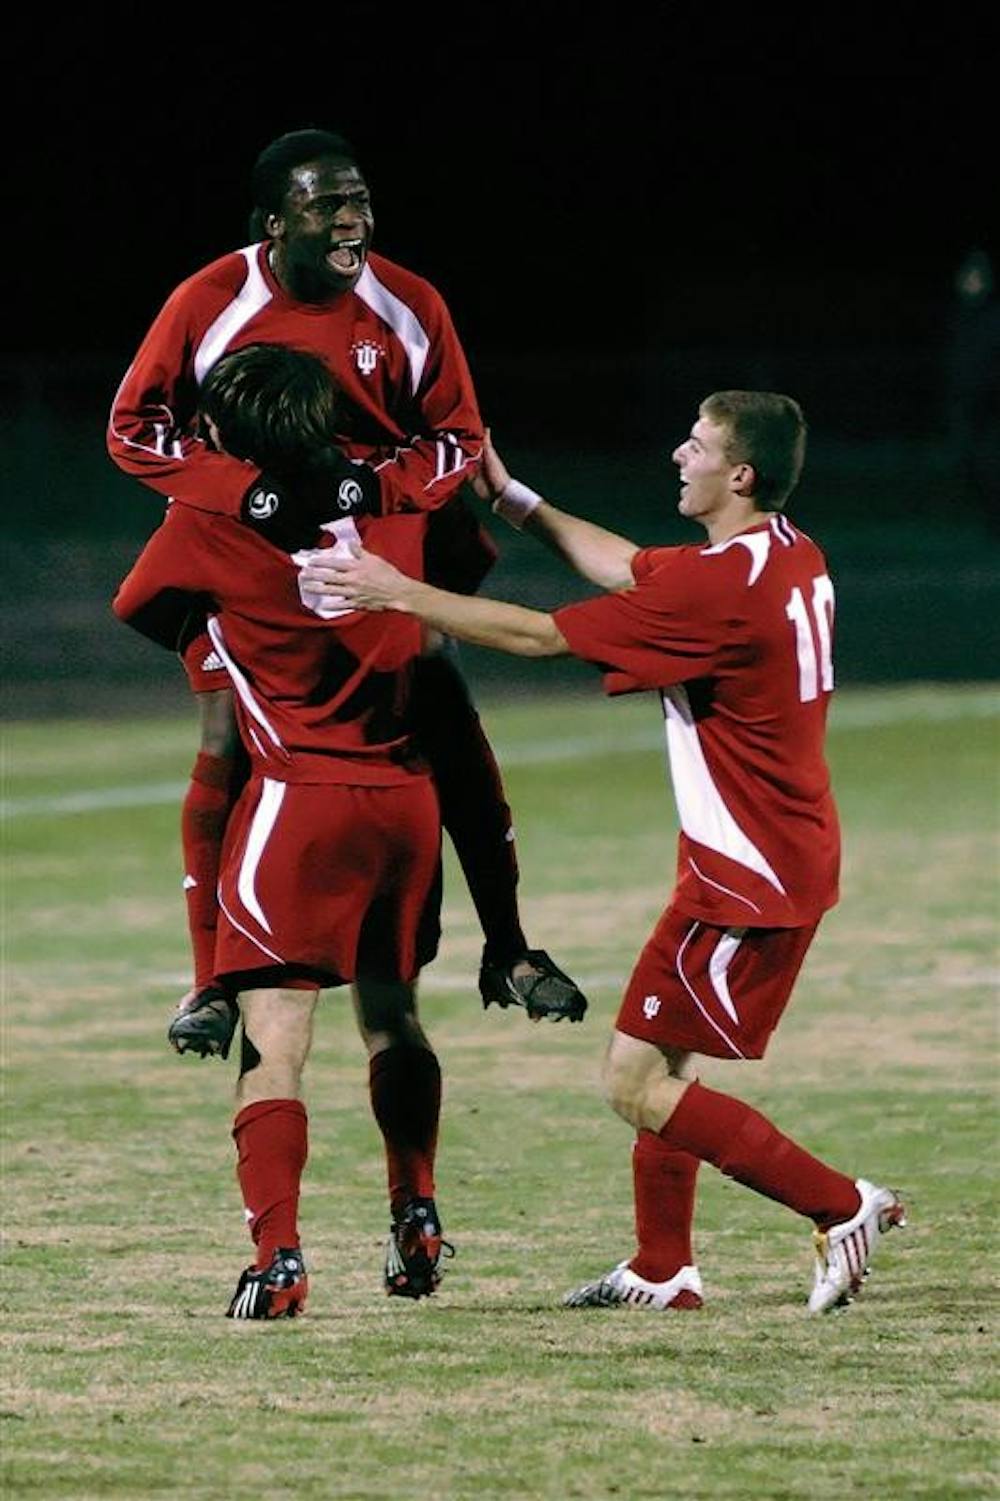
124 1228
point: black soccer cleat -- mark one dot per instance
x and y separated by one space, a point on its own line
206 1025
545 992
414 1250
277 1292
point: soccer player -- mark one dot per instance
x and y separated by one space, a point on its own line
331 868
408 419
736 638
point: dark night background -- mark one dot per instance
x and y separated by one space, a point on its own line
621 215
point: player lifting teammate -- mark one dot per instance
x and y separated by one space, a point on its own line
408 419
332 863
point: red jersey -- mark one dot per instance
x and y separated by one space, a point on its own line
409 409
737 637
321 691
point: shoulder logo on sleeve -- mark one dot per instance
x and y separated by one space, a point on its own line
262 504
367 354
350 495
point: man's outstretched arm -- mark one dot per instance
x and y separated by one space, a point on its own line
600 556
370 583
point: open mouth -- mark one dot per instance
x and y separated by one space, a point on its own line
345 257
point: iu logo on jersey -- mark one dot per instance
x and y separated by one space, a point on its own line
366 355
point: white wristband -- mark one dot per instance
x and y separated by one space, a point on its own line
515 503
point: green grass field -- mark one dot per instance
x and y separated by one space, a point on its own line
124 1230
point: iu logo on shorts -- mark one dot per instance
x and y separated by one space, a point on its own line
650 1006
366 355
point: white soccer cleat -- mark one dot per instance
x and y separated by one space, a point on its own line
622 1285
844 1251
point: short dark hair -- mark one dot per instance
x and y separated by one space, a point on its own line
271 404
271 170
766 430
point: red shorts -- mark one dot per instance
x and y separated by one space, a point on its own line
717 991
203 665
330 880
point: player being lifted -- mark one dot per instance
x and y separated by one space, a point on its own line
331 869
736 637
408 419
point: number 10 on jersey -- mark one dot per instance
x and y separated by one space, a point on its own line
813 637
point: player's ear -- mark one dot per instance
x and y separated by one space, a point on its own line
275 225
744 479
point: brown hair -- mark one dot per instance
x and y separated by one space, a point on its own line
271 404
767 431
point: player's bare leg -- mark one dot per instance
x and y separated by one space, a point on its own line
850 1216
405 1084
206 1016
270 1131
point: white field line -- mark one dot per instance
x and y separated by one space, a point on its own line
922 706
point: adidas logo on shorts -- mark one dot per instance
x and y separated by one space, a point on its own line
212 663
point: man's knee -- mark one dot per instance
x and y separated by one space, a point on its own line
277 1034
627 1065
387 1014
641 1083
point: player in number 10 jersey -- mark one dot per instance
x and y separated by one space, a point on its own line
736 639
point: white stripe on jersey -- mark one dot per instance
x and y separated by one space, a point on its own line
240 683
163 432
400 318
719 886
261 827
718 967
252 296
703 814
692 993
783 530
757 544
159 428
246 933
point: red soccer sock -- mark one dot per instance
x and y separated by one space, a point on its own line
744 1145
272 1141
474 809
405 1085
204 815
664 1184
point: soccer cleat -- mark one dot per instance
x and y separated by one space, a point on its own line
414 1250
205 1024
277 1292
544 992
622 1285
844 1251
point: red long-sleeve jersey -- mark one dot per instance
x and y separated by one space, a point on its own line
409 407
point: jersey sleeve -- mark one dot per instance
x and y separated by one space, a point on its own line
447 442
152 428
167 582
670 627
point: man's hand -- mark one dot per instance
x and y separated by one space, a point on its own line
492 477
364 581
